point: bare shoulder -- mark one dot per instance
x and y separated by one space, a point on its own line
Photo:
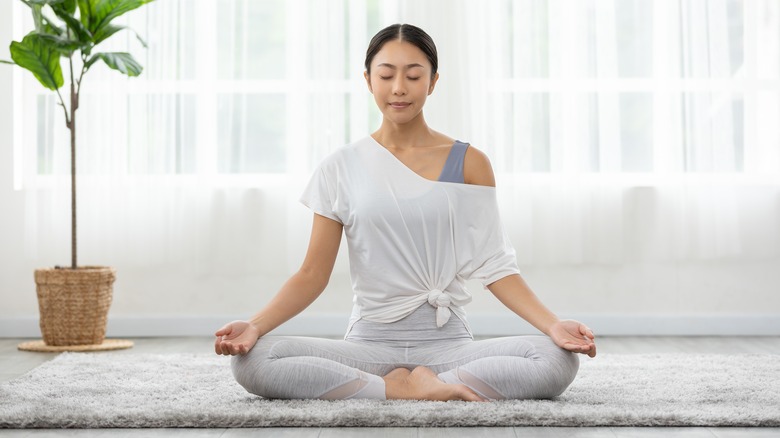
477 169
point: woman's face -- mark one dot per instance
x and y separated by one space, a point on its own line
400 80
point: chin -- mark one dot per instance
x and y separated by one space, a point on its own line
399 120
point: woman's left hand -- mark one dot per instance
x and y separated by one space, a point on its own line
573 336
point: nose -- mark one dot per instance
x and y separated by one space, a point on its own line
399 87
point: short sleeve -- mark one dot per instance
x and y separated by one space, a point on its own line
497 261
320 195
486 253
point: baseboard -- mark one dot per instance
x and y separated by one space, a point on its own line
482 324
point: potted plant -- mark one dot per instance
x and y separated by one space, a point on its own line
73 301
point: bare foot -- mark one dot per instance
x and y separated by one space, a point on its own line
423 384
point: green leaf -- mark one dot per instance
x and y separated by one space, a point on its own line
39 57
64 46
111 29
103 11
86 12
141 40
120 61
69 6
51 29
42 24
106 31
37 17
73 24
44 2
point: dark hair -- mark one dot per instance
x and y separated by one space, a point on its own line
403 32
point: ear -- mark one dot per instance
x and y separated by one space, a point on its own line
368 81
433 83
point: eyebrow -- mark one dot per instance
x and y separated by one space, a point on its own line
408 66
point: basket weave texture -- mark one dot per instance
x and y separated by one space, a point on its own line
73 304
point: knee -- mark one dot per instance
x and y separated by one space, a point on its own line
554 367
248 370
548 372
245 372
562 366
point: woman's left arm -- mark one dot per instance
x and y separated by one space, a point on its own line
572 335
512 290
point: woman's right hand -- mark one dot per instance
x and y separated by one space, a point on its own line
237 337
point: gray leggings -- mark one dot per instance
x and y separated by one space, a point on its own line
519 367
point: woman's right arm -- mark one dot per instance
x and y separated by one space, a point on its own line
238 337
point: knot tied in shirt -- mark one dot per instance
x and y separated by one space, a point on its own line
441 301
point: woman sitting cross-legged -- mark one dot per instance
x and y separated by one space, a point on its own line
420 215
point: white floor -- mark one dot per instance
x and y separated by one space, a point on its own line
14 363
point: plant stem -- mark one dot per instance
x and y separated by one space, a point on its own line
73 106
81 75
64 109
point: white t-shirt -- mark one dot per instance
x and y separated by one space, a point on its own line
411 240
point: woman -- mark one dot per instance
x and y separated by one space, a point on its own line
420 215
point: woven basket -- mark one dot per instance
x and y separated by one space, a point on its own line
74 304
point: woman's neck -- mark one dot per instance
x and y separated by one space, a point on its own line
396 136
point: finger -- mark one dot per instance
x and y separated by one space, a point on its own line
588 349
578 347
573 340
584 330
217 347
227 348
225 330
581 349
223 348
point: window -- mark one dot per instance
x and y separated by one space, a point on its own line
243 87
631 86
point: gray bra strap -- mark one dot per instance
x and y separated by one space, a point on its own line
453 168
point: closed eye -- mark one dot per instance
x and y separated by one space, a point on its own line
390 77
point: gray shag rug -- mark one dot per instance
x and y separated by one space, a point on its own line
100 390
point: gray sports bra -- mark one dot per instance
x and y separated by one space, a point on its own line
453 168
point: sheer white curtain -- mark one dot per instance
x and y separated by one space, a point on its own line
620 131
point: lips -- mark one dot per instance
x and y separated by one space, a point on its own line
399 104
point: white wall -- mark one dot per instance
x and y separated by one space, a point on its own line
718 297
